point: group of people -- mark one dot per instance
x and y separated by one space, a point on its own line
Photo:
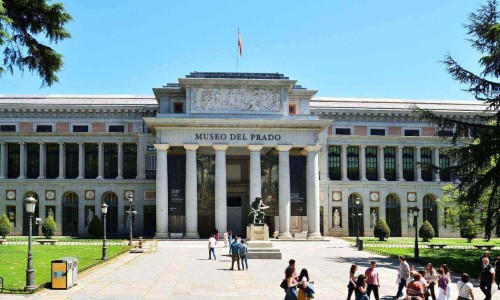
297 287
238 249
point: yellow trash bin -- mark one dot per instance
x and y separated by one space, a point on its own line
64 272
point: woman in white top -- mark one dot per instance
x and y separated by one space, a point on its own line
465 288
431 277
353 276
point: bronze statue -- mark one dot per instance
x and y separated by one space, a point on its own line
256 215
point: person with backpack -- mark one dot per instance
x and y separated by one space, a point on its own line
306 288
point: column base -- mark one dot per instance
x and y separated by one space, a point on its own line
2 177
401 179
79 177
347 179
191 235
140 177
437 180
285 236
162 235
364 179
40 177
119 177
420 180
314 236
382 179
99 178
60 177
21 177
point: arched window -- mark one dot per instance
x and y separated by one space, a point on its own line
393 214
430 212
355 215
70 214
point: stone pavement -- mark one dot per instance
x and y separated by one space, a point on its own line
181 270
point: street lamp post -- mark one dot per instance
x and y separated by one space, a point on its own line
30 204
131 213
104 210
416 254
357 220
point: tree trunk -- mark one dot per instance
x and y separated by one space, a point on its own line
489 213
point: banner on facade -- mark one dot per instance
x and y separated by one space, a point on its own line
176 185
298 187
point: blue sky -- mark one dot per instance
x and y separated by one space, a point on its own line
388 49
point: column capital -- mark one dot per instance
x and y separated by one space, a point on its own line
400 147
162 147
220 147
119 143
345 146
41 143
418 147
255 147
61 143
362 146
2 143
22 143
315 148
283 148
80 143
191 147
381 147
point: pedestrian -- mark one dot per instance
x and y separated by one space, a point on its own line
480 263
403 274
291 263
306 288
234 250
230 235
487 278
225 237
216 235
465 288
431 277
497 272
211 247
361 287
353 277
448 280
372 279
415 289
243 254
291 284
442 284
424 283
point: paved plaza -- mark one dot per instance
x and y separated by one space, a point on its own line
181 270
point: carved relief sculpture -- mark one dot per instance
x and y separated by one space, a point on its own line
249 99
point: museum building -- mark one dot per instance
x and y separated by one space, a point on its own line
198 152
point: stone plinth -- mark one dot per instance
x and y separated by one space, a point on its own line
258 232
259 245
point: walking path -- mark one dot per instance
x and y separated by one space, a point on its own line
181 270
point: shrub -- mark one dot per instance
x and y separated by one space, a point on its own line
49 227
469 231
426 232
5 226
96 228
381 230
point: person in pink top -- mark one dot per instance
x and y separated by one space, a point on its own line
372 279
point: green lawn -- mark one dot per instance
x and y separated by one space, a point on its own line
64 239
411 241
13 261
458 260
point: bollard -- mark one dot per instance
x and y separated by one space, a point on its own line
360 245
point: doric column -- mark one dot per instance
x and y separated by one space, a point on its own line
81 160
3 160
62 161
120 161
343 161
284 190
399 163
255 172
313 192
362 162
100 164
417 158
381 164
41 161
161 191
220 188
191 192
435 161
141 158
22 160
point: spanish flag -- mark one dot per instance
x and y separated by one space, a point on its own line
240 43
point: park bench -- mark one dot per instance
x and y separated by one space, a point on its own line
2 241
440 246
43 242
484 247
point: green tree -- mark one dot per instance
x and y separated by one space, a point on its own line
477 157
49 227
27 29
426 232
469 231
381 230
5 226
96 228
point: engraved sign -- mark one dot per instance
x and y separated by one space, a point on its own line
246 99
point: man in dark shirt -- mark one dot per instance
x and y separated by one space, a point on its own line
234 250
487 278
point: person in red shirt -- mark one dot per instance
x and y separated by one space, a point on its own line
415 289
372 279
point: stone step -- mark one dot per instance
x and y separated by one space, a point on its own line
264 255
259 244
262 250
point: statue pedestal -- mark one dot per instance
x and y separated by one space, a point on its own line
259 245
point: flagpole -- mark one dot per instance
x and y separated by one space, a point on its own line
237 49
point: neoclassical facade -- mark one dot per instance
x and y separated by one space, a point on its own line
198 152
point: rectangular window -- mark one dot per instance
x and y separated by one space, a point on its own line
426 160
52 160
80 128
116 128
390 163
33 160
353 162
43 128
8 128
444 164
129 161
408 164
292 109
13 160
334 162
445 133
150 166
377 132
71 160
110 161
371 163
178 108
343 131
91 161
412 132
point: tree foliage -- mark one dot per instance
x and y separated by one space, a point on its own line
5 226
469 231
426 232
27 29
381 230
49 227
477 157
96 228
